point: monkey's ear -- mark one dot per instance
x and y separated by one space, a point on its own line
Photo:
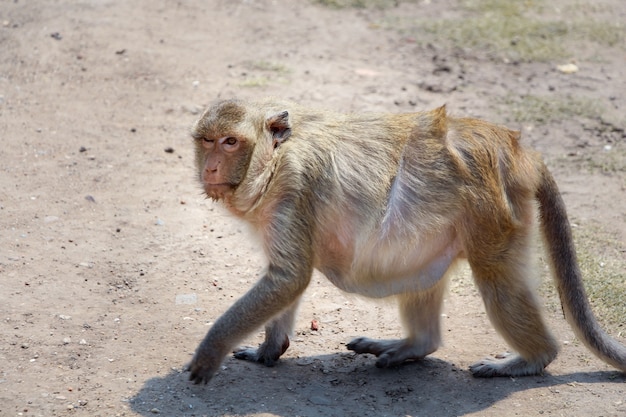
280 127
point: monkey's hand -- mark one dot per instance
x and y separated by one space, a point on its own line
267 354
204 364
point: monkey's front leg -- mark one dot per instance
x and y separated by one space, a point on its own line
266 299
276 342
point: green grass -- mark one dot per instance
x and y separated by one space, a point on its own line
268 66
544 109
530 30
601 260
254 82
513 30
510 37
359 4
609 162
263 73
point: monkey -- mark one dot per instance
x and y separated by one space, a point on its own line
385 205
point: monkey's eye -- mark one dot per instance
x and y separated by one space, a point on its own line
230 141
207 140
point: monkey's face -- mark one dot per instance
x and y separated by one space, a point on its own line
223 149
226 137
222 163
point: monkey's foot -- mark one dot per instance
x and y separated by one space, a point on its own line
509 364
391 352
267 353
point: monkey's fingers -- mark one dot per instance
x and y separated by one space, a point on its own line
246 353
260 355
198 373
506 365
199 377
365 345
392 353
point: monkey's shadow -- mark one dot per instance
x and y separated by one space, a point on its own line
342 384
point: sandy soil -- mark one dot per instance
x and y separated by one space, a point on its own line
113 266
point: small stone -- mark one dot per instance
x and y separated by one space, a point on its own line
67 340
186 299
567 68
191 109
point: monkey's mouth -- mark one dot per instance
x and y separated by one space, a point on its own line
217 191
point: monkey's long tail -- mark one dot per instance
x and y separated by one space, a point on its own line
560 245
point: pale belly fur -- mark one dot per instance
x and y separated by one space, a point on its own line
382 266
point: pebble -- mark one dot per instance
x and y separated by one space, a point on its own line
568 68
186 298
67 340
191 109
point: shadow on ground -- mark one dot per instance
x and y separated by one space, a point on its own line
340 384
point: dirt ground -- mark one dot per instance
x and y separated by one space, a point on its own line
113 265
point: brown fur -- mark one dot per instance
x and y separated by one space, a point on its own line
384 205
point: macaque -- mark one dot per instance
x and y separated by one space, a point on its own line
384 205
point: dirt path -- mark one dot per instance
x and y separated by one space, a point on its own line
113 266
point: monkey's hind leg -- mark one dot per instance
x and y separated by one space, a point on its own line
420 312
276 342
514 310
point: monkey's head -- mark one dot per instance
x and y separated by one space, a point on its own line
234 143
